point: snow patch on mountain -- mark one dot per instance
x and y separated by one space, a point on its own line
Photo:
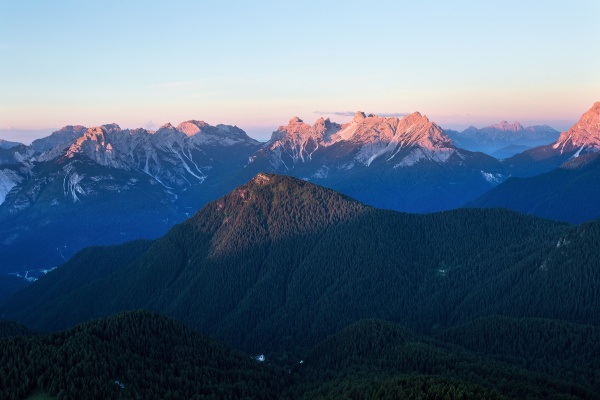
494 179
321 173
8 180
72 184
419 153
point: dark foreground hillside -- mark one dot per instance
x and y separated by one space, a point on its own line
140 355
136 355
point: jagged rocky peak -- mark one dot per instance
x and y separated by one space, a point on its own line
295 130
94 133
416 118
585 134
166 126
590 120
359 116
111 127
325 128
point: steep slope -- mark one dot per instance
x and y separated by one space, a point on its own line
568 193
104 185
580 139
495 137
406 164
280 263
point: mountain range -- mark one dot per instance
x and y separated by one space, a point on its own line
503 138
105 185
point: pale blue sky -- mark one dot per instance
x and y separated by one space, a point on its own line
257 64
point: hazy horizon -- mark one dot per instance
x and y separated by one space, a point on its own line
260 133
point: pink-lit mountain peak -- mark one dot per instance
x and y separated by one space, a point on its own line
364 139
585 134
191 127
414 128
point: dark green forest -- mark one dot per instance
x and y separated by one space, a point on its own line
150 355
141 355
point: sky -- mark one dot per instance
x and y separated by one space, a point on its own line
257 64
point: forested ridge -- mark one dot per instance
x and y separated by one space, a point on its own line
566 350
141 355
137 355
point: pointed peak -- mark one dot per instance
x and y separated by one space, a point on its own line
166 126
111 127
584 134
95 130
359 116
416 118
295 120
308 212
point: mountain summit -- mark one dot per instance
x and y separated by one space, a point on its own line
584 135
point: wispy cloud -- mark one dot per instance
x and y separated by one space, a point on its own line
351 113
